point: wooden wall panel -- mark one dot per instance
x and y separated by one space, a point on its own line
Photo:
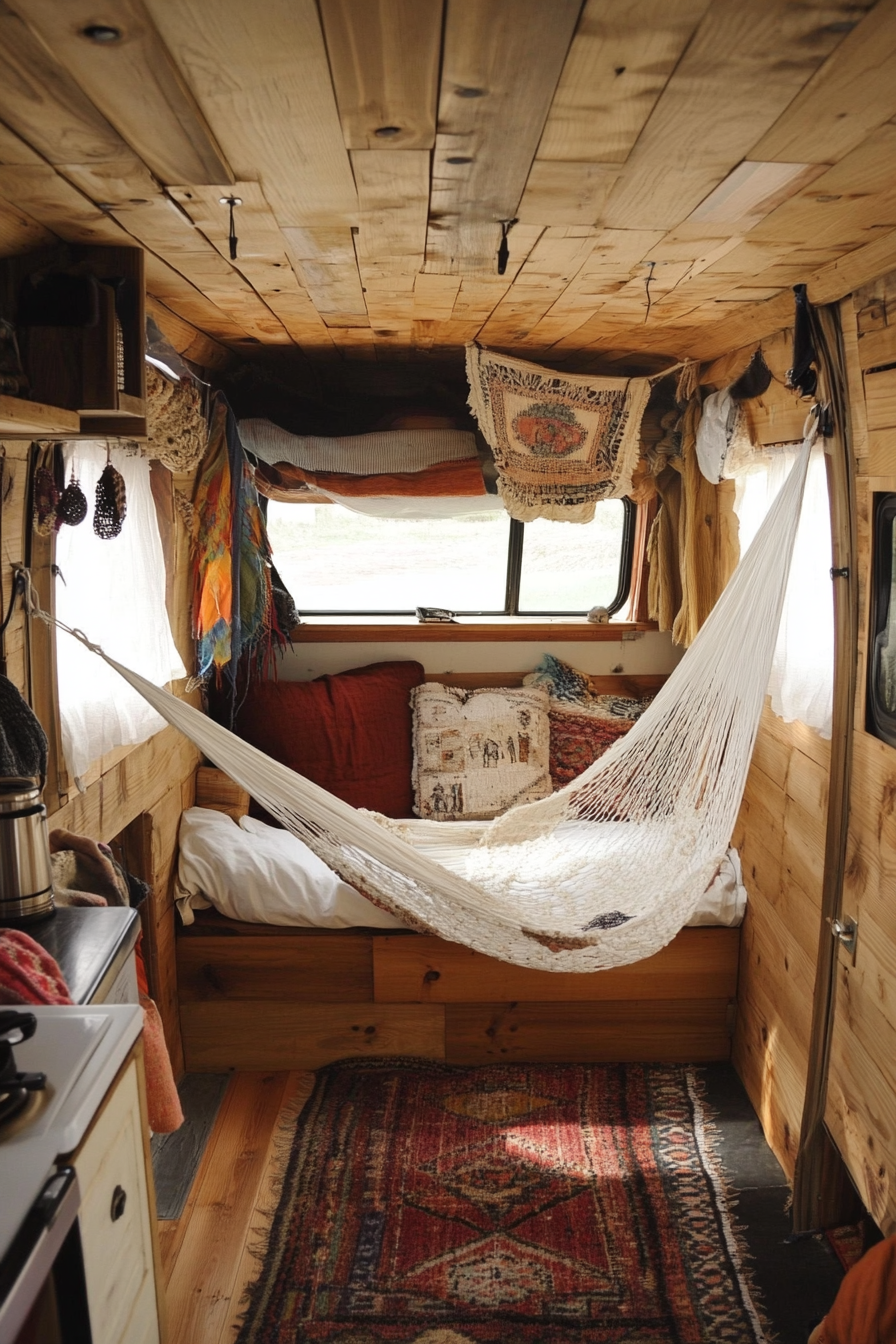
780 835
136 794
861 1106
861 1102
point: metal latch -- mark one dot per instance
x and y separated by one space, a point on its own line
846 931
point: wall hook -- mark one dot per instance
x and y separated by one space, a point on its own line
232 239
503 246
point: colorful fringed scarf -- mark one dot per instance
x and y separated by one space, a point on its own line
233 608
561 441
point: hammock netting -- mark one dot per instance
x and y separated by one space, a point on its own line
605 871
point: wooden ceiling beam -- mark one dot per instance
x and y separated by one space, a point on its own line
753 322
384 59
561 192
133 82
329 270
393 196
263 81
851 94
393 199
501 63
53 121
622 54
70 160
846 205
746 62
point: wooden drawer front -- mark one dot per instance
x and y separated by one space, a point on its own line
679 1031
697 964
117 1253
287 968
307 1035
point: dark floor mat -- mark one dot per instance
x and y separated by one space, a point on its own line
796 1277
176 1157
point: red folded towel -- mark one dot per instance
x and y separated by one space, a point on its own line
28 974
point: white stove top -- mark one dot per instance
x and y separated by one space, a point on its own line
80 1049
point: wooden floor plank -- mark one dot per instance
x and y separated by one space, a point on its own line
203 1267
296 1093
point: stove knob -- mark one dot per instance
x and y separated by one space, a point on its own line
119 1199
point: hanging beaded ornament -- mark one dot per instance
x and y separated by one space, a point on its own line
46 498
72 506
111 503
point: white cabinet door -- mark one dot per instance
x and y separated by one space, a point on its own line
115 1228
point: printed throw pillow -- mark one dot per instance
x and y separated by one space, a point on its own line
578 740
477 753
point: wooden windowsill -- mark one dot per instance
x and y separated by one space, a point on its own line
467 629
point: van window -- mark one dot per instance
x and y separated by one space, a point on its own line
338 562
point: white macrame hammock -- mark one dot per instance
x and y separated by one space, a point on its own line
607 870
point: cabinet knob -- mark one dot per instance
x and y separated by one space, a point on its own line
119 1199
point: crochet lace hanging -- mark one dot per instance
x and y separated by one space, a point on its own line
607 870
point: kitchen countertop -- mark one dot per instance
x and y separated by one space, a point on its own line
75 1090
89 943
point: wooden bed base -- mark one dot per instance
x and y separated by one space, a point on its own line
255 996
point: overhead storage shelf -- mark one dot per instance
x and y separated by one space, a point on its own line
31 419
82 349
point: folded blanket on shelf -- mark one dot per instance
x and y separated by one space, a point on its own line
358 454
453 479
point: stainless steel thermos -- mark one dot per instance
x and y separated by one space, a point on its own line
26 875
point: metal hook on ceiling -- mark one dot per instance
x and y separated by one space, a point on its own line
503 246
232 239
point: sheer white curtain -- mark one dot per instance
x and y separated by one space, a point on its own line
115 592
801 684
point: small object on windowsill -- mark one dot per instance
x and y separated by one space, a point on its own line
435 615
598 616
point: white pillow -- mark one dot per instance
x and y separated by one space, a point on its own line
263 875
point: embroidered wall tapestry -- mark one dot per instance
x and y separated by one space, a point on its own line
561 442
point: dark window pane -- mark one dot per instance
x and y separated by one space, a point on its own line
887 641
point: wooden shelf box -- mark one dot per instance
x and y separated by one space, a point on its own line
84 381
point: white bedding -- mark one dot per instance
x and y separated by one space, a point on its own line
262 875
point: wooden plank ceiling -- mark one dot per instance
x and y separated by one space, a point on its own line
674 166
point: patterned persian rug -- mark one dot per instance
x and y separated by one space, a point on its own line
510 1204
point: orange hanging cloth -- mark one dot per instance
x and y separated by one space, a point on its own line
864 1311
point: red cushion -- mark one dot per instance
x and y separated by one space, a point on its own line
350 733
